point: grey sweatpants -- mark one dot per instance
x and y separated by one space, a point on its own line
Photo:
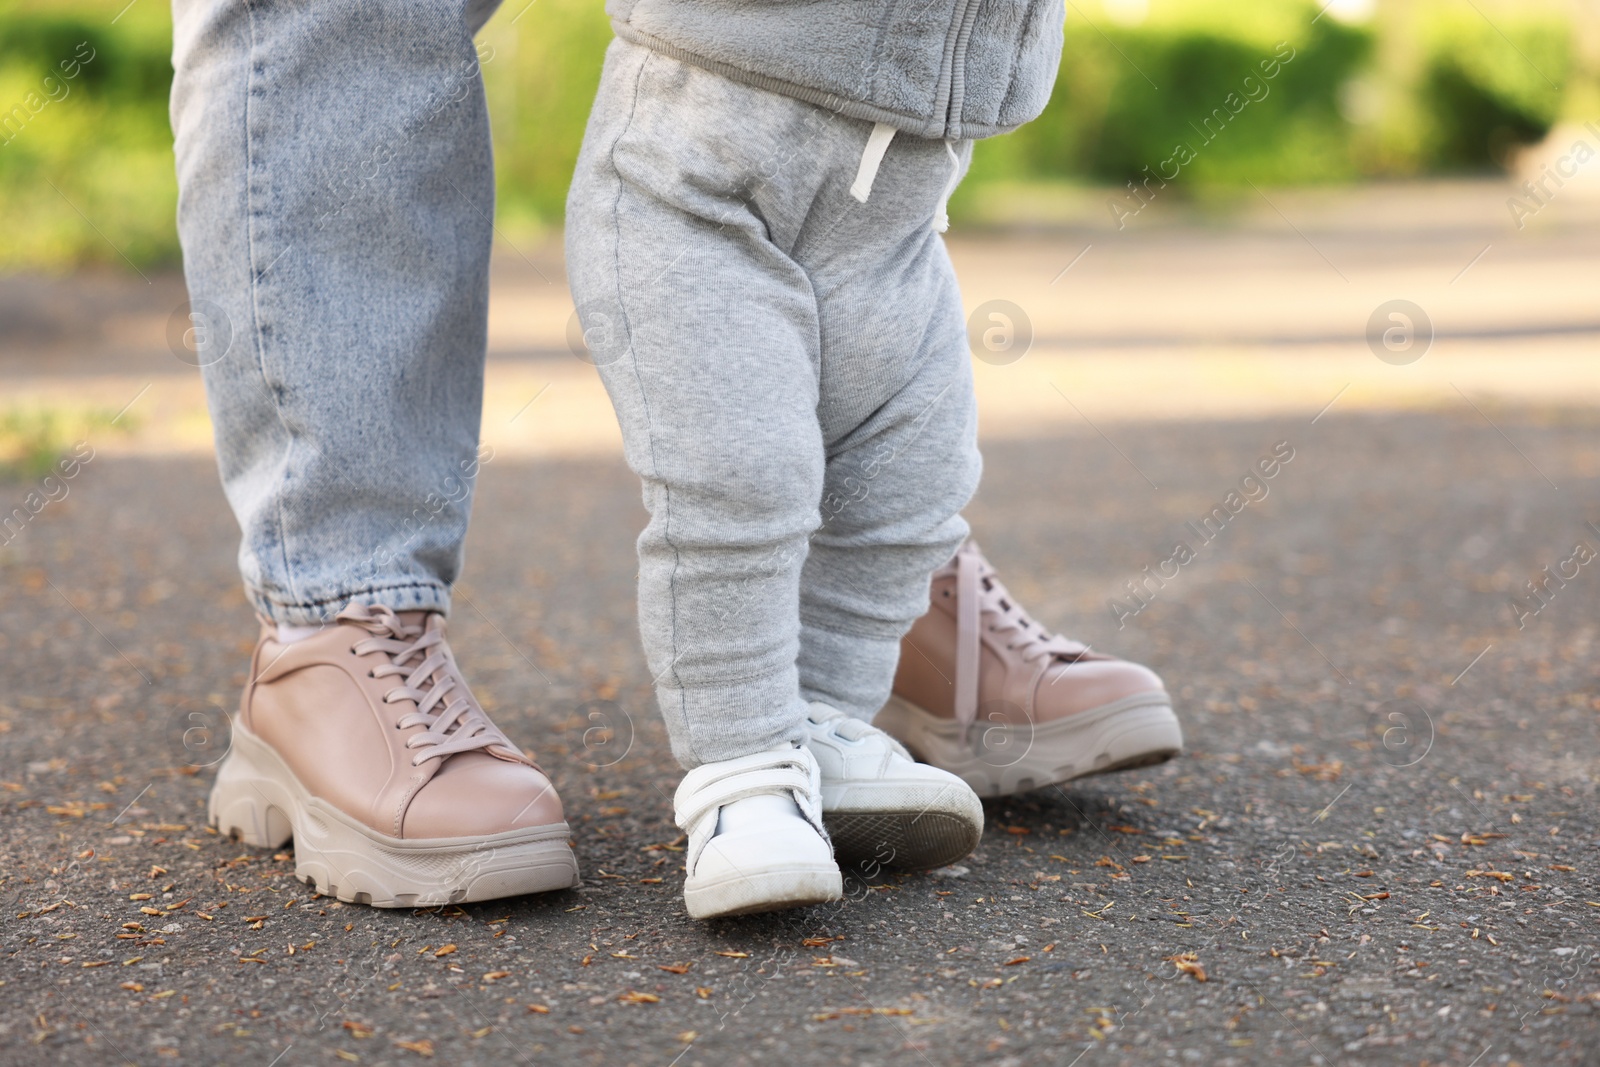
789 367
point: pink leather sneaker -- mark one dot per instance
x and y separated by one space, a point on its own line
988 694
363 744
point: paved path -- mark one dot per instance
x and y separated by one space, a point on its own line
1380 848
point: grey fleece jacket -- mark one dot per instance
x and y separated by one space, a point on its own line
952 69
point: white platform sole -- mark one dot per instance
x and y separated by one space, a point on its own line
999 760
257 799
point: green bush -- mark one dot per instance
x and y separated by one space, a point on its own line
1193 75
85 160
90 177
540 83
34 439
1487 86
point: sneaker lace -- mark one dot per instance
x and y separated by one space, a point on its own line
431 680
979 596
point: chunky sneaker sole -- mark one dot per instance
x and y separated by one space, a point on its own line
999 760
258 800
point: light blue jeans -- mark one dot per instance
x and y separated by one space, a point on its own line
336 198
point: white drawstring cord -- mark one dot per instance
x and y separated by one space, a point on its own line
941 215
872 158
867 173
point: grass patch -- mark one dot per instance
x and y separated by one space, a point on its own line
33 440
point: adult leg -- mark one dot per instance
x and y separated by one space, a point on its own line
335 207
335 198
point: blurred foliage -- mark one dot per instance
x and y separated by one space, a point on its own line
34 439
1193 74
1489 86
540 83
86 162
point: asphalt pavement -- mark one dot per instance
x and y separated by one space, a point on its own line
1379 848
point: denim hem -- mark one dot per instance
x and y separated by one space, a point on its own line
410 596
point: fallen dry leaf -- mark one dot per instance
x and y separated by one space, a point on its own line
840 1013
